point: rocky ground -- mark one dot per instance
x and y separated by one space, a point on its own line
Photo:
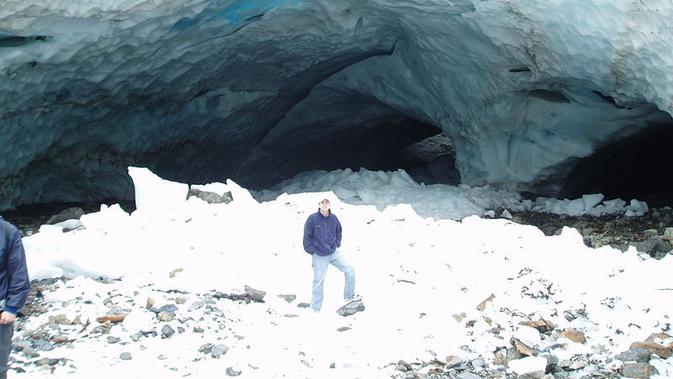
209 326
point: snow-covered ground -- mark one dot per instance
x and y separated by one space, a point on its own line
424 261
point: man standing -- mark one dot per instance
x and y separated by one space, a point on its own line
322 238
14 287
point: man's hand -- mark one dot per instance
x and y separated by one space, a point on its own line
7 317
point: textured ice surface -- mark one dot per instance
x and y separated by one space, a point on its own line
208 90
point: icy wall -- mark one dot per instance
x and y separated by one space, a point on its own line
260 90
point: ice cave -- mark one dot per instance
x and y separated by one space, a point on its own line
559 98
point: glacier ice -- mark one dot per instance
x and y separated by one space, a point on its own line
201 91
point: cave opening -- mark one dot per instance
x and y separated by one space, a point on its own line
635 167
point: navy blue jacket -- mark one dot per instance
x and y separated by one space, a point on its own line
14 282
322 235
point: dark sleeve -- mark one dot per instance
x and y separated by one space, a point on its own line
338 233
17 274
308 235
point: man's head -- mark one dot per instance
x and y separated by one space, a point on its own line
324 207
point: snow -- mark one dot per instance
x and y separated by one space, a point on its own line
416 269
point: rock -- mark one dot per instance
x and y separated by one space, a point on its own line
635 354
500 357
211 197
467 375
459 316
167 331
351 308
542 326
43 345
668 234
505 214
47 361
180 300
60 319
218 350
522 348
482 305
573 335
639 370
288 298
206 348
125 356
528 336
403 366
650 233
166 316
231 372
255 295
454 361
195 306
478 362
66 214
654 247
110 318
167 308
653 347
150 303
303 305
113 339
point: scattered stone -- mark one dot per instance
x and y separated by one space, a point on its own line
505 214
482 305
668 234
206 348
113 339
573 335
523 349
255 295
654 247
166 316
638 370
195 306
351 308
218 350
197 329
167 308
403 366
542 326
343 329
150 303
47 361
459 316
467 375
528 336
478 362
303 305
167 331
635 354
288 298
60 319
210 197
454 361
125 356
110 318
180 300
43 345
650 233
175 272
231 372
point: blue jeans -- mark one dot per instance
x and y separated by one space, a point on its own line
320 265
6 333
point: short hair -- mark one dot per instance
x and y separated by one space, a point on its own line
324 201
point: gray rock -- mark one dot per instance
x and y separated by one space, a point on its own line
166 316
255 295
43 345
303 305
231 372
351 308
136 336
196 305
478 363
167 308
638 370
468 375
219 350
206 348
655 247
125 356
637 354
167 331
197 329
47 361
211 197
113 339
66 214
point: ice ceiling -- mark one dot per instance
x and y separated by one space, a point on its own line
525 92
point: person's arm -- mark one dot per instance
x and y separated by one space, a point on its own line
338 233
17 275
308 236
